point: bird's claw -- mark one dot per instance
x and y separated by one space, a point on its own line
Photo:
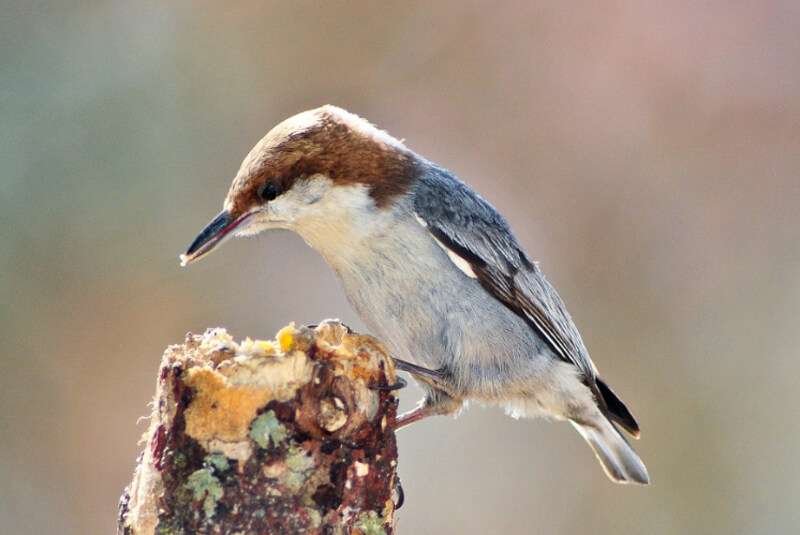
397 385
435 378
401 495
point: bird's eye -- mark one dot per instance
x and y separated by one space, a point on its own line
268 191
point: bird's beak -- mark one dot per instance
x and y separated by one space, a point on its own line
216 232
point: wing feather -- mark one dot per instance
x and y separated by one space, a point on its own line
469 227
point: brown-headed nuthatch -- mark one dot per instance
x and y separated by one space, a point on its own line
433 270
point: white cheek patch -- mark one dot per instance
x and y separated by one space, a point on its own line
310 190
336 206
282 209
297 202
257 223
459 262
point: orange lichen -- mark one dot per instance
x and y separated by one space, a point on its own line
286 338
219 410
360 372
263 348
236 424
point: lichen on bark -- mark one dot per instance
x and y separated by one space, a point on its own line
287 436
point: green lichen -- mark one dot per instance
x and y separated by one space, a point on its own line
370 523
179 460
266 428
218 461
206 487
166 530
315 517
298 463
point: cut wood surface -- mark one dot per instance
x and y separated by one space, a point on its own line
287 436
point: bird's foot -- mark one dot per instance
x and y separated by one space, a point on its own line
412 416
397 385
435 404
434 378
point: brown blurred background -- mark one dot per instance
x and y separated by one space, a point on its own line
648 155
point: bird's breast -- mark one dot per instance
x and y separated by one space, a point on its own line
427 310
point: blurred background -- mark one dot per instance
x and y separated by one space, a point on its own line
648 154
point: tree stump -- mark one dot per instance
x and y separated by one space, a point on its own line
287 436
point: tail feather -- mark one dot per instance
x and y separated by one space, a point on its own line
616 409
620 462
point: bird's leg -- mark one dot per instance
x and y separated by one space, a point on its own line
436 403
412 416
441 398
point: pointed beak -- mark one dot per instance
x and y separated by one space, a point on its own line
217 231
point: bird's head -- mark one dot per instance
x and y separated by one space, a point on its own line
319 171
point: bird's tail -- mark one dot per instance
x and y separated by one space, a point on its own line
620 462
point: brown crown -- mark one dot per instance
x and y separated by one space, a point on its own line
328 141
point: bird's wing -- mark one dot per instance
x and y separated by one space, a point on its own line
468 227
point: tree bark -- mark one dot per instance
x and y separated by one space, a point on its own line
287 436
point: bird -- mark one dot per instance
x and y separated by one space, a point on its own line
433 270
